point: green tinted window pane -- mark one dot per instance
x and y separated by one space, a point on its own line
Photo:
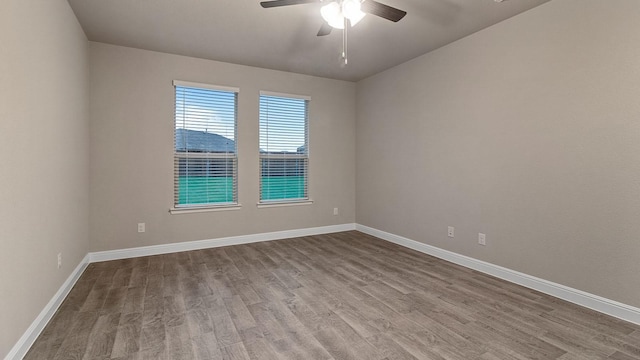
205 190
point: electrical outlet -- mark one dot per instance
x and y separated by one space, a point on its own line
482 239
141 227
450 231
335 211
59 260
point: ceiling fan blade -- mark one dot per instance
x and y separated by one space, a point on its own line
276 3
384 11
325 29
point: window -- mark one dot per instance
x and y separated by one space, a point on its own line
205 152
284 147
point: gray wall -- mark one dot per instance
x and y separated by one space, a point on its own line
528 131
131 108
44 148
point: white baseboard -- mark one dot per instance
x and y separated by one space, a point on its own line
23 345
579 297
212 243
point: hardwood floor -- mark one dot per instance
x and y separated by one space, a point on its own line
339 296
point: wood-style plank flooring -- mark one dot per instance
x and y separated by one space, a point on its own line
339 296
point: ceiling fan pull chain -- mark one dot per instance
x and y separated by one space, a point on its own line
344 42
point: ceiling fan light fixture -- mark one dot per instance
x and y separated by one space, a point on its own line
332 14
355 18
350 8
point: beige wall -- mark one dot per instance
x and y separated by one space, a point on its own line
44 147
528 131
132 105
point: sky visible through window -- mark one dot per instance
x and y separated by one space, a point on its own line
211 111
282 124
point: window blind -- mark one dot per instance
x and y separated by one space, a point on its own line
205 151
284 148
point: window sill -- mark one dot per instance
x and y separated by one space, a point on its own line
191 210
264 205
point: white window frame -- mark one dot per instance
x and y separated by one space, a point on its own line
292 201
193 208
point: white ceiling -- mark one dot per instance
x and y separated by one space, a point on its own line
284 38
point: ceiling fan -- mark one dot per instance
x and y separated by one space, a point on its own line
335 12
338 13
